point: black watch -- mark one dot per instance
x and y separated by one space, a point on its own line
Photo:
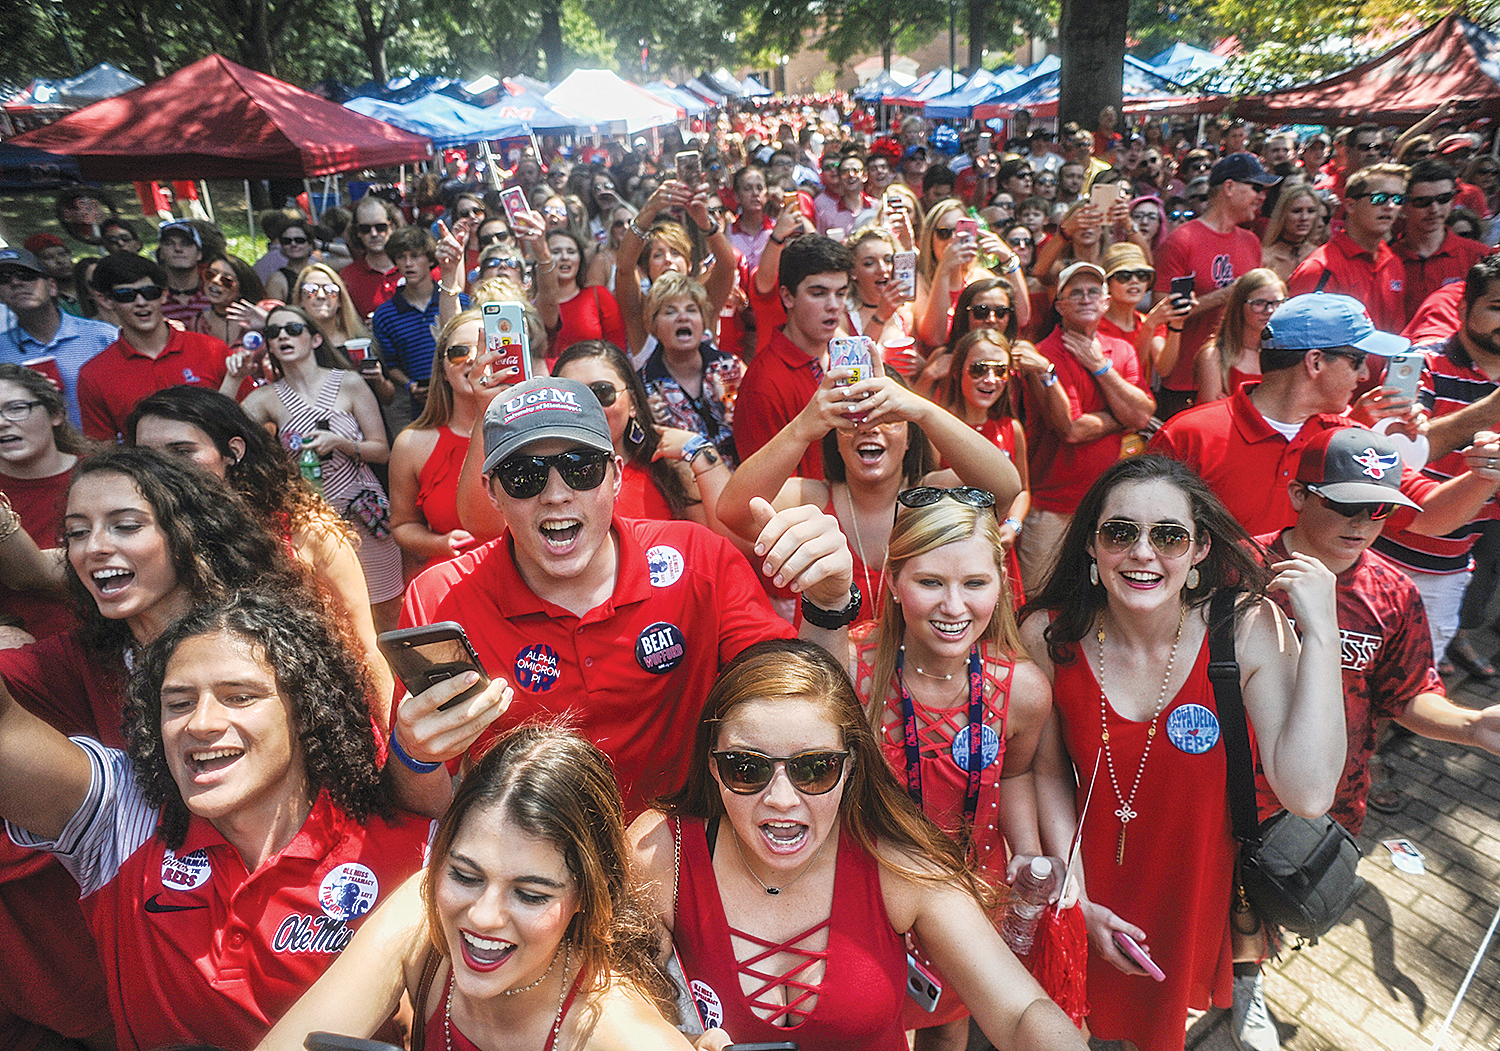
833 619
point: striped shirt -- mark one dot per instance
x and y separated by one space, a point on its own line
1450 382
408 335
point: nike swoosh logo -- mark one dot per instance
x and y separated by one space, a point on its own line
152 905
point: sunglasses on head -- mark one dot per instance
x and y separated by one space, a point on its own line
980 369
291 328
980 312
150 293
294 240
606 392
814 772
460 352
1380 197
312 288
1377 512
927 495
1428 200
1133 275
371 228
1170 539
523 477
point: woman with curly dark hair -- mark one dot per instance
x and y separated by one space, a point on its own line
212 431
247 829
1121 629
524 926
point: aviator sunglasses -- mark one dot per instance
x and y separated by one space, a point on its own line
526 476
1170 539
814 772
927 495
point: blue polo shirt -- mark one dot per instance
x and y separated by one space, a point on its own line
406 333
77 340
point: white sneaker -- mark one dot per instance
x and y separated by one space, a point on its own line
1251 1027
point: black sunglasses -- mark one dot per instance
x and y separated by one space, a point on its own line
294 240
606 392
1356 357
1133 275
526 476
1377 512
1170 539
814 772
150 293
942 233
1429 200
371 228
980 312
498 237
927 495
291 328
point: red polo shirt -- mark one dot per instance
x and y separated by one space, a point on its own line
1062 472
1377 279
196 948
776 386
118 376
368 287
631 673
1449 264
1248 464
1440 315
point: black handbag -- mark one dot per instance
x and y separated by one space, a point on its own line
1296 872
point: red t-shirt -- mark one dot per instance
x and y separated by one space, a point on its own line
1439 316
1386 660
368 287
591 314
195 947
119 376
1377 279
634 671
1448 265
776 386
1215 260
1062 472
1248 464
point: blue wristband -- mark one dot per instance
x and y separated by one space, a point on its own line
416 766
1101 370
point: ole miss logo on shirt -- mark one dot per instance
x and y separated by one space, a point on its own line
347 892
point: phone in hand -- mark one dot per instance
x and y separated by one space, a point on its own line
983 146
432 653
1102 197
1403 374
1182 290
966 229
689 168
515 204
505 333
1131 948
852 352
904 273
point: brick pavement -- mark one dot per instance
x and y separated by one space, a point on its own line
1386 977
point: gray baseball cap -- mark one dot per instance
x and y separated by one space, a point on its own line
542 408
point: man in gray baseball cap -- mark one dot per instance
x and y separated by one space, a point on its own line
620 624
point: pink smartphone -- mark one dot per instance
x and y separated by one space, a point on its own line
514 200
967 229
1131 948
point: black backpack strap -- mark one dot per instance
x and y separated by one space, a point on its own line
1224 673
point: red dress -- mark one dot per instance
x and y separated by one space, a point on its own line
437 484
1179 854
858 1002
1002 433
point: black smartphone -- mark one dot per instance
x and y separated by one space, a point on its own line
426 655
689 168
334 1042
1182 290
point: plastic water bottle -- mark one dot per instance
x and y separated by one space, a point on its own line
308 462
1031 890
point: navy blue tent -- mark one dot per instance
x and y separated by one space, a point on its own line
29 169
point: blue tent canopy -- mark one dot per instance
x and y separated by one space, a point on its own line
754 87
22 168
537 113
1140 80
710 95
878 87
686 99
959 104
446 121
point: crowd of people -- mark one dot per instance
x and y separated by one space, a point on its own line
784 665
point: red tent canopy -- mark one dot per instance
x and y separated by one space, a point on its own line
216 119
1452 59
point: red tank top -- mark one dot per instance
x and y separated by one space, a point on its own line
1179 853
437 1038
437 483
858 1002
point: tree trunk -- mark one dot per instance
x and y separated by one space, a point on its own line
256 47
979 17
550 39
149 50
887 46
1091 42
372 42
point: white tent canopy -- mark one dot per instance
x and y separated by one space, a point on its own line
604 98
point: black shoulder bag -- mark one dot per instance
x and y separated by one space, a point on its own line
1298 873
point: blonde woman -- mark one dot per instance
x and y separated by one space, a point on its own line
1233 355
1292 234
947 262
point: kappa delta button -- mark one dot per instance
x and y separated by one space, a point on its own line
989 747
660 647
1193 728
